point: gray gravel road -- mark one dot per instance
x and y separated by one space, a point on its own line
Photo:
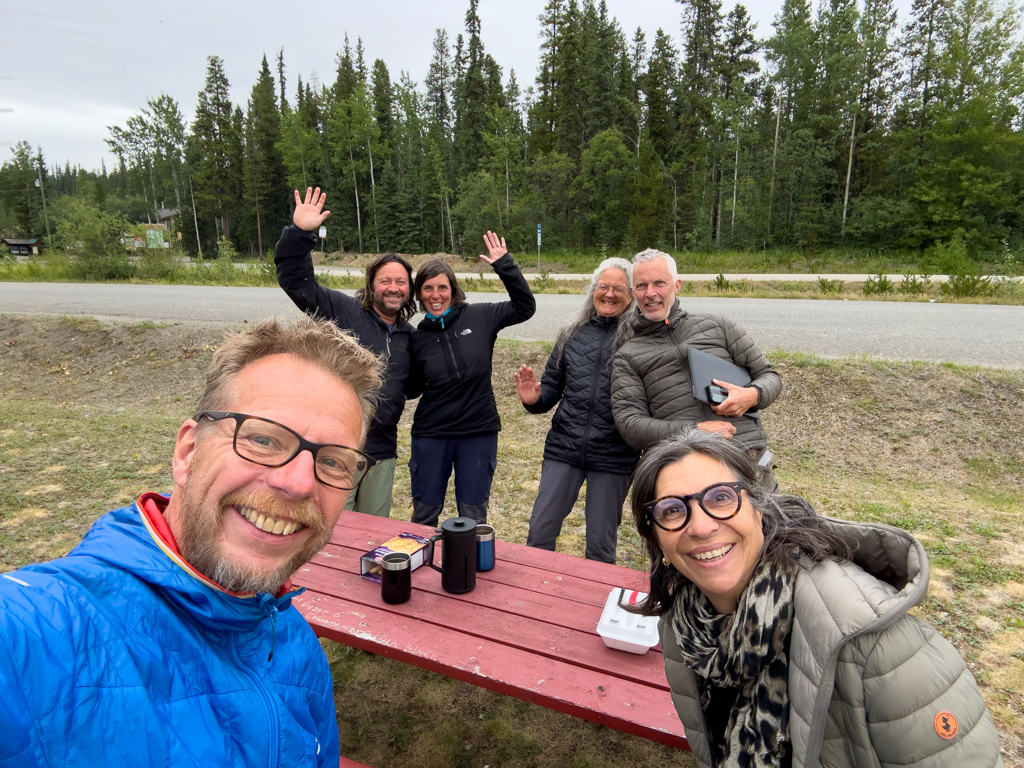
958 333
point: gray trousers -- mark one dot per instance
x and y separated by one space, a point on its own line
559 488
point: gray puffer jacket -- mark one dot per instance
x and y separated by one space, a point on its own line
652 397
869 684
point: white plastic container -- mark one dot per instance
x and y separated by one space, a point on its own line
623 630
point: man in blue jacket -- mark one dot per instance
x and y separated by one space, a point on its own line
378 315
167 636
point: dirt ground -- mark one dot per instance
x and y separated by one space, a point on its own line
88 414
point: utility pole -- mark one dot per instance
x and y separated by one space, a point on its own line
39 183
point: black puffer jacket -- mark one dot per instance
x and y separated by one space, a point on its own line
293 256
452 361
583 432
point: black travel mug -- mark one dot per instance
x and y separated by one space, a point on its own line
396 577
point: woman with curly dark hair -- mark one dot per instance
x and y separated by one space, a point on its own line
786 635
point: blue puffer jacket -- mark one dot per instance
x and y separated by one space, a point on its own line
120 655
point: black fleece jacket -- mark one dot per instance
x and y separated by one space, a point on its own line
452 361
293 256
583 432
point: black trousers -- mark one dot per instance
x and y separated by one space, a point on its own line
559 488
474 459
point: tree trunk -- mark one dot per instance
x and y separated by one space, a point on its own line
775 152
152 182
735 183
259 232
225 222
195 219
718 217
355 186
373 199
849 173
451 230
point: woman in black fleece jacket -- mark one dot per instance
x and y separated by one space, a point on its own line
456 422
583 443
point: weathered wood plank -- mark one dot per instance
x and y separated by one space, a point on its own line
624 705
481 622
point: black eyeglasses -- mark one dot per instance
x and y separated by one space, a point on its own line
720 501
270 444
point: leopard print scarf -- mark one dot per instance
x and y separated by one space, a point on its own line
746 649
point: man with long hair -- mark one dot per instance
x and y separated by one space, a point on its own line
378 316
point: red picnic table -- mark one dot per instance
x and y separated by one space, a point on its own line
528 629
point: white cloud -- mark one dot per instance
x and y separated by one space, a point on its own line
71 130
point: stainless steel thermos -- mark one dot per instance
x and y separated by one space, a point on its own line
458 555
484 547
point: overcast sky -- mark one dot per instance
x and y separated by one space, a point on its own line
70 68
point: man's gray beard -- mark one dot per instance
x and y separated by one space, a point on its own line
201 521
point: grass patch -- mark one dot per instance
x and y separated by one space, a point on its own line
88 414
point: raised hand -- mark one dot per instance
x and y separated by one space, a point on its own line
309 213
526 384
495 246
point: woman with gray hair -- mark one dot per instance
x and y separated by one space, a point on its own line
583 443
786 636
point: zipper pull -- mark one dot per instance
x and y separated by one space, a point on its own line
268 602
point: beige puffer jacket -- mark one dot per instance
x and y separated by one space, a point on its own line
652 397
867 681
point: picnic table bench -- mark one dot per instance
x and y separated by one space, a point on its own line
528 629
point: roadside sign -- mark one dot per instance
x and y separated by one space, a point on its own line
323 232
538 247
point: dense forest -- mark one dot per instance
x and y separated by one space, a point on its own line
844 127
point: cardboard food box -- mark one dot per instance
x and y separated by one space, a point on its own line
623 630
415 546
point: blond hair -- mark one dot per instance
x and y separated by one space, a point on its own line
318 342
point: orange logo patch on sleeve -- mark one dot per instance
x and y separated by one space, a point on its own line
945 725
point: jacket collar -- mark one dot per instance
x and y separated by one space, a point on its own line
886 577
131 540
644 327
448 320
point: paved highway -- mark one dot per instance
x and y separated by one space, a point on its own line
959 333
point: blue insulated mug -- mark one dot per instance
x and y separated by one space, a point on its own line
484 547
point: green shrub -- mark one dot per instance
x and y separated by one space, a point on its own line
830 286
158 264
95 237
226 249
721 283
877 285
962 286
913 284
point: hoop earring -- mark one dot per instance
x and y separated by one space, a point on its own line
664 561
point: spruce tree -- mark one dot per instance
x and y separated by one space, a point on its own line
216 140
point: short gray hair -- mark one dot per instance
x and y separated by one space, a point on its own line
651 254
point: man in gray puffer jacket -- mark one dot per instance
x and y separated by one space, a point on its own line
652 396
